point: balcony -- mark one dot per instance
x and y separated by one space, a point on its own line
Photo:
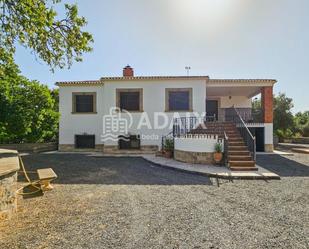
247 114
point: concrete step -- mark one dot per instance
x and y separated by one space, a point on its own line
237 148
242 163
239 158
239 153
235 139
238 143
244 168
232 134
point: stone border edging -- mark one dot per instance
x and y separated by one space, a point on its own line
217 175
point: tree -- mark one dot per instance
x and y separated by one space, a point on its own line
27 109
257 113
301 121
34 24
283 117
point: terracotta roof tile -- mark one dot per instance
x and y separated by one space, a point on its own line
81 82
242 80
153 78
216 81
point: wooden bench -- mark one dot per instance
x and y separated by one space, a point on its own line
45 177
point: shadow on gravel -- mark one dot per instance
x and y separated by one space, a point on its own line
282 166
85 169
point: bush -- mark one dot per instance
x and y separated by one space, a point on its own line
218 148
283 134
169 144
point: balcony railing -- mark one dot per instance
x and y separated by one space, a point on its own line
184 125
248 115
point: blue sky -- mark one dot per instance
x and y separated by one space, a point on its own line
219 38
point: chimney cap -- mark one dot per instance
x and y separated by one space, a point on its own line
128 71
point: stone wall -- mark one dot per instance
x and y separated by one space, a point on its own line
144 149
9 166
31 147
109 149
71 148
301 140
268 147
8 199
194 157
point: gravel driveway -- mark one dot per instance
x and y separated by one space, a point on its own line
129 203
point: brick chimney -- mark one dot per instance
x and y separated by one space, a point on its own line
128 71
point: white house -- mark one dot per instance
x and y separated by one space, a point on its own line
152 101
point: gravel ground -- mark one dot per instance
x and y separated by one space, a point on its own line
129 203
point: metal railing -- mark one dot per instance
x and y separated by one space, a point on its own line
226 150
248 115
183 125
231 114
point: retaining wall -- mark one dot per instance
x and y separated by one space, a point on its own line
9 165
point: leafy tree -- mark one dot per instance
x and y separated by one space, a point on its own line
301 121
257 113
283 117
55 95
27 108
285 124
34 24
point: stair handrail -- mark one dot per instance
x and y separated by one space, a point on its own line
226 150
243 123
243 129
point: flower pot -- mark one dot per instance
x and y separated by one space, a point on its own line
168 154
218 157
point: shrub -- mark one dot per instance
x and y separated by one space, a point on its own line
169 144
218 148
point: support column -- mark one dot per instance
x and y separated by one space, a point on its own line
267 107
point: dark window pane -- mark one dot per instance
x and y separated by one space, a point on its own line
84 103
129 101
84 141
178 101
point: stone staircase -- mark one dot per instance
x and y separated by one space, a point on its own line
239 157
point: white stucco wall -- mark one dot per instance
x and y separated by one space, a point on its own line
197 144
268 133
153 101
71 124
237 101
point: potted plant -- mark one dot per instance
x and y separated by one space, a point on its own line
169 147
218 153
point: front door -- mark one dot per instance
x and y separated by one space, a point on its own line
258 132
212 108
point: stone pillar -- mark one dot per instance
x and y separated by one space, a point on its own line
8 199
267 107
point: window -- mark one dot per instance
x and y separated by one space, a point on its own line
84 141
130 99
84 102
178 99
